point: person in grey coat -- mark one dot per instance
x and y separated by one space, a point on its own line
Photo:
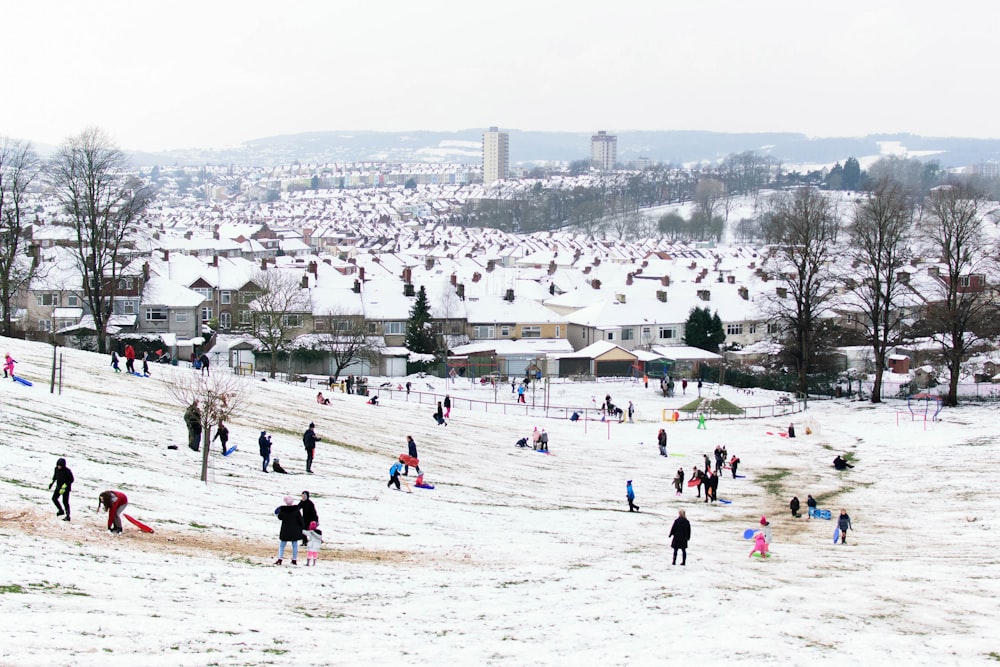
844 523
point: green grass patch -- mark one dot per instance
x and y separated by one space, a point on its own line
771 481
11 588
18 482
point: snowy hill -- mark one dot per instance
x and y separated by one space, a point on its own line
514 558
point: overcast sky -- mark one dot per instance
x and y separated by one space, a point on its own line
158 75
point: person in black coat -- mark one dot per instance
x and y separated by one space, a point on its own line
222 433
411 449
308 510
681 534
841 463
291 529
264 442
810 506
794 506
309 440
661 440
439 415
62 478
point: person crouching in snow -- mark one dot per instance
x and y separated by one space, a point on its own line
760 545
115 503
630 495
315 541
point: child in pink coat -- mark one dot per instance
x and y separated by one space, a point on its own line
8 365
760 545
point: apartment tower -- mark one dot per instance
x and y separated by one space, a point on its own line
496 155
603 151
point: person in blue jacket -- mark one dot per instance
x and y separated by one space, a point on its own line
394 471
630 494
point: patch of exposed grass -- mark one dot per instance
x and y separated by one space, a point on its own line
18 482
772 481
11 588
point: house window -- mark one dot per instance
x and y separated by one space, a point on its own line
667 333
964 281
504 330
734 329
225 297
772 327
225 320
47 299
628 334
204 292
180 316
246 317
610 336
292 320
373 328
342 326
156 314
531 332
319 324
124 283
247 297
395 328
558 331
206 314
45 325
455 328
72 300
752 329
129 307
483 331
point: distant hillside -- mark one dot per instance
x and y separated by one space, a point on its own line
530 148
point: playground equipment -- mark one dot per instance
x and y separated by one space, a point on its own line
913 401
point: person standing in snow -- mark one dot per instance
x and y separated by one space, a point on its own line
145 364
720 459
696 474
791 430
794 506
810 506
661 440
114 362
264 442
712 486
8 365
447 406
630 496
681 534
631 412
204 364
192 418
115 503
62 478
291 529
308 509
411 449
222 434
765 528
130 359
733 464
679 481
309 440
844 524
314 537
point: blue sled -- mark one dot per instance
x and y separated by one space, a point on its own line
23 381
229 451
725 502
748 533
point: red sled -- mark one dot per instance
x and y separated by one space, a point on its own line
409 460
138 524
693 482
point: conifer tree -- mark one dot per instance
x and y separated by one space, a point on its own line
419 333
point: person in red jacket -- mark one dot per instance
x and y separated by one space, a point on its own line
130 359
115 503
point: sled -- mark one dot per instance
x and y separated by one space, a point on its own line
693 482
138 375
748 533
822 514
229 451
424 486
725 502
740 476
138 524
836 535
406 459
26 383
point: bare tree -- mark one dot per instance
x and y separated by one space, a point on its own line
105 204
19 166
963 312
219 398
879 249
280 304
807 225
349 341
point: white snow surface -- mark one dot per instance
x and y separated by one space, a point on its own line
515 558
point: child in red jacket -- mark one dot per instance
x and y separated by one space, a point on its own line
115 503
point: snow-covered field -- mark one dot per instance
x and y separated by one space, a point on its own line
515 558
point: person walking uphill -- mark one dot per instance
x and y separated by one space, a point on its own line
411 449
264 442
192 417
115 503
8 365
291 529
681 534
630 495
62 478
309 440
130 359
222 434
447 406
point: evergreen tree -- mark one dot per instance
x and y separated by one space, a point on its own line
703 330
419 334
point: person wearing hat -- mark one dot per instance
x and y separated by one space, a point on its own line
315 541
765 529
291 529
309 439
62 477
630 495
264 441
308 509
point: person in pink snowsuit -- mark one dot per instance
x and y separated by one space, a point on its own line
760 545
8 365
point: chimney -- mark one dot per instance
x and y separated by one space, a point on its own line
705 295
744 293
407 275
782 292
753 265
490 264
665 281
188 235
509 295
597 261
595 283
903 277
731 280
408 289
586 270
304 283
145 272
661 295
361 274
552 268
166 255
454 279
629 278
476 277
215 260
357 287
460 291
429 263
314 269
263 263
697 279
933 271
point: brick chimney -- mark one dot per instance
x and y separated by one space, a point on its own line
661 295
476 277
460 291
782 292
665 281
705 295
215 260
744 293
490 264
357 287
595 283
407 275
314 269
429 263
731 280
145 272
361 273
629 278
166 255
454 279
304 283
